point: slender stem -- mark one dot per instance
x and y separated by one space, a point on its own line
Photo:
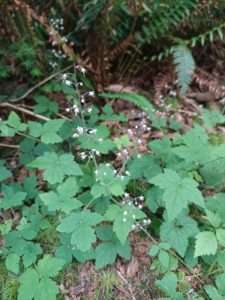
2 145
39 84
24 110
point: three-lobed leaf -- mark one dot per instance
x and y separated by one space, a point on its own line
56 166
178 192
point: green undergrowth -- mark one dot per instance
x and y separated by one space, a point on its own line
76 205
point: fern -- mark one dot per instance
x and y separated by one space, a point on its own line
140 101
185 66
163 17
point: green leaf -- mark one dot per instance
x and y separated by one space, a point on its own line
178 192
212 118
49 266
49 131
213 218
30 253
216 203
139 100
4 172
122 141
213 293
220 283
145 166
108 183
56 167
62 200
164 258
11 197
36 283
106 253
154 250
44 105
178 233
80 226
99 141
195 147
15 122
47 289
220 235
83 237
27 280
12 263
168 284
123 218
206 244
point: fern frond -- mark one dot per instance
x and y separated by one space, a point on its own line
164 17
185 66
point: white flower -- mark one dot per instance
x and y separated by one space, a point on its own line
141 198
68 82
130 132
139 141
76 110
134 217
80 130
93 131
68 109
140 206
75 135
125 151
83 155
83 70
124 220
125 213
91 93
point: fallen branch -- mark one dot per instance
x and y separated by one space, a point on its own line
3 145
24 110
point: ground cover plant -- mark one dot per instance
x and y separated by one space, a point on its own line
112 169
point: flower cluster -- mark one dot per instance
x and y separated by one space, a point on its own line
91 154
57 23
123 154
136 201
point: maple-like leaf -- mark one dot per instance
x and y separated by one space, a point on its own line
56 167
80 226
178 192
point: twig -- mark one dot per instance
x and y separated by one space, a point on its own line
32 89
2 145
24 110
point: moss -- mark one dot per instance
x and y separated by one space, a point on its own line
216 138
8 284
49 238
